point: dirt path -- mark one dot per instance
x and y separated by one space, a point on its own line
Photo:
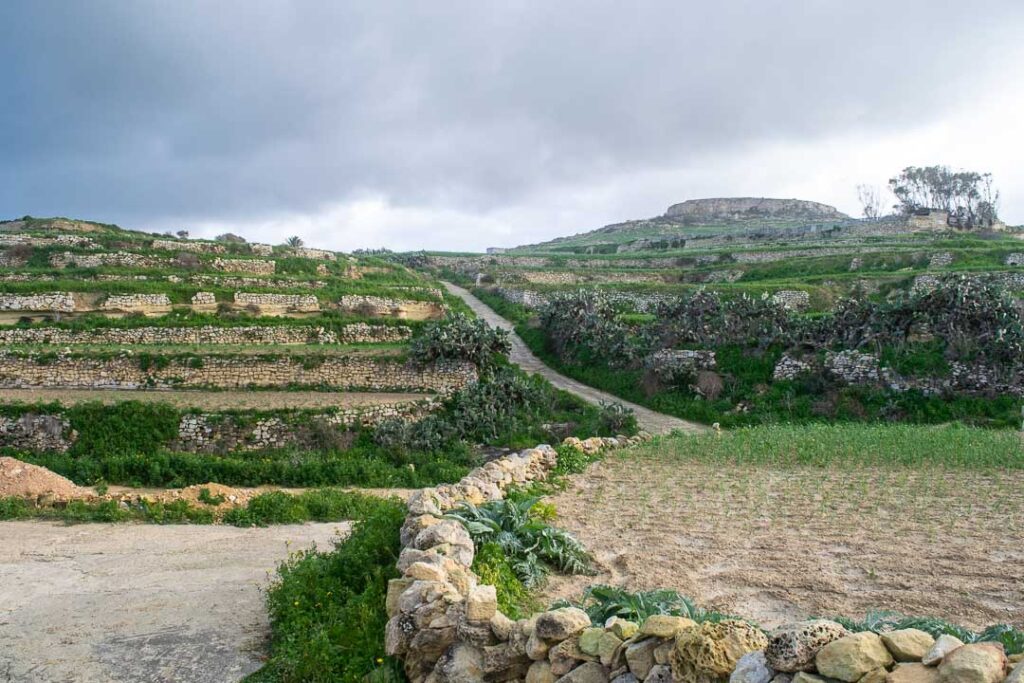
779 544
649 420
140 603
214 400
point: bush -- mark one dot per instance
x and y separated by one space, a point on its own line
327 611
460 338
602 602
493 568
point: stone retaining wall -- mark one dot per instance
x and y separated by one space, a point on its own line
304 303
355 333
1015 260
443 623
254 266
220 433
393 308
186 245
36 433
227 372
792 299
57 240
58 302
119 259
317 254
137 303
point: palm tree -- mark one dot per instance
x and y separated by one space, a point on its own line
294 241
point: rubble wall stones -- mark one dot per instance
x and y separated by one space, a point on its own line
355 333
396 308
296 302
187 245
253 266
37 433
136 302
212 432
57 240
1015 259
443 623
60 302
224 372
316 254
120 259
792 299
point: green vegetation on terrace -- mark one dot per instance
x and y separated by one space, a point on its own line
273 507
749 384
949 446
327 612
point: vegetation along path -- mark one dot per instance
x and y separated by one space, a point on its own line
648 420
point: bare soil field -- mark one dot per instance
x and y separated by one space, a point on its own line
143 603
214 400
776 544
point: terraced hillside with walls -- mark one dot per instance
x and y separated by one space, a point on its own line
860 320
131 358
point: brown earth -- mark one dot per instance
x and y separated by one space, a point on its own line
22 480
214 400
778 544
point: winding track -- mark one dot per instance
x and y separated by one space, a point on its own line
648 420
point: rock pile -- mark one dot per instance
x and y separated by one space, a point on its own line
447 627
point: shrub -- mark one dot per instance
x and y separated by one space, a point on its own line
460 338
493 568
617 418
533 547
327 609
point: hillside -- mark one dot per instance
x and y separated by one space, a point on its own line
737 216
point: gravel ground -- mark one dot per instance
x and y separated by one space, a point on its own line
141 603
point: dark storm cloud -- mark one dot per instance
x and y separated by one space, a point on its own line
144 111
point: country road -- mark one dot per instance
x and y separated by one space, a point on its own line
648 420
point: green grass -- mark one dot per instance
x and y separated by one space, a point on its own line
327 610
847 445
275 507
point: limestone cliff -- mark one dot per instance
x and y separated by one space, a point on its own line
739 208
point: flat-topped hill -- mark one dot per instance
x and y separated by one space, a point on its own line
702 218
745 208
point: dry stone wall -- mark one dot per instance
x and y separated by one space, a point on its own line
188 245
792 299
296 302
355 333
36 433
11 239
254 266
137 303
394 308
58 302
1015 259
226 372
316 254
120 259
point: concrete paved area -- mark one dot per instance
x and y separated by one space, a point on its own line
649 420
141 603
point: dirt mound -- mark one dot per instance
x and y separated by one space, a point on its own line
21 480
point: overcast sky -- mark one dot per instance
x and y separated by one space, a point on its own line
462 125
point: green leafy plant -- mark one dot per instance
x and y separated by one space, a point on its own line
602 602
533 547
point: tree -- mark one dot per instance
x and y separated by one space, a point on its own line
294 241
182 234
230 237
871 201
968 196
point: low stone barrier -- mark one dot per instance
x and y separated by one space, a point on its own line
355 333
792 299
316 254
236 265
37 433
443 623
394 308
58 302
303 303
137 303
11 239
188 245
120 259
231 372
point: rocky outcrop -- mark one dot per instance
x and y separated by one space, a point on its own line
744 208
